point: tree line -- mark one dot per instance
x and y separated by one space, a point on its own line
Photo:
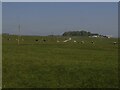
78 33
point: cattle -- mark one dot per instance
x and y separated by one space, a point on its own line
92 42
74 41
36 40
70 38
44 40
114 43
9 39
58 41
82 42
66 41
22 39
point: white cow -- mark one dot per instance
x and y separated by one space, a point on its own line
74 41
66 41
114 43
58 41
82 42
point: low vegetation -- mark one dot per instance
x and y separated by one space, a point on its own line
53 64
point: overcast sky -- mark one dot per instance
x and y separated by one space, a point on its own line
56 18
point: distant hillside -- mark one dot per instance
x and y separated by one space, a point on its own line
78 33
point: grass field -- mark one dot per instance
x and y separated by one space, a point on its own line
59 65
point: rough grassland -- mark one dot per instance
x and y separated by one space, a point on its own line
59 65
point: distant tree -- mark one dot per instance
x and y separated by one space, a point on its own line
5 33
78 33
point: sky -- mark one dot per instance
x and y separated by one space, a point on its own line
45 18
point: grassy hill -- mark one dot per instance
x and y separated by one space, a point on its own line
59 65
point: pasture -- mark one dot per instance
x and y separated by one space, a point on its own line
53 64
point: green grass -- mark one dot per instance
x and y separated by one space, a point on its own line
60 65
